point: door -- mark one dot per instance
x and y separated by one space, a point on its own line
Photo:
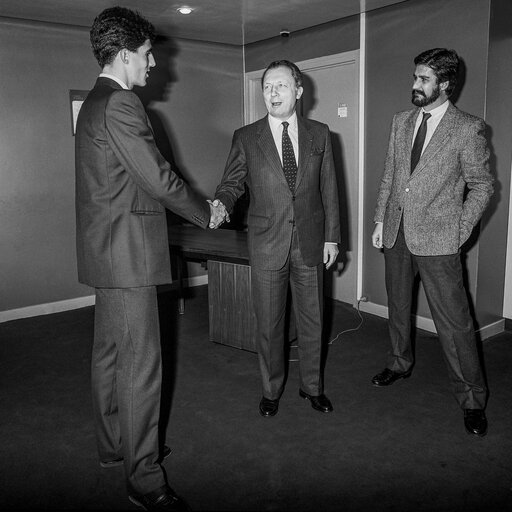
331 95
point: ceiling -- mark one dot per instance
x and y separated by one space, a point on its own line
235 22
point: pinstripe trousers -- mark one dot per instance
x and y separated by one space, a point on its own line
270 292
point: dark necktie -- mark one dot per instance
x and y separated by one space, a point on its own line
419 141
289 163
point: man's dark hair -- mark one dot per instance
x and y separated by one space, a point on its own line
296 72
116 29
444 63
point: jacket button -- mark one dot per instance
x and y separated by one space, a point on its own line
407 189
399 208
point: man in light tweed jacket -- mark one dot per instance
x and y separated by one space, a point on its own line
435 187
293 229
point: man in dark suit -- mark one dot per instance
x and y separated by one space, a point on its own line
432 194
123 186
293 227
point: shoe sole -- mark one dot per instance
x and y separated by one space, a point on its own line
306 397
136 502
268 415
471 433
475 434
405 376
111 464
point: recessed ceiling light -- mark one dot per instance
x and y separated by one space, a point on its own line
184 10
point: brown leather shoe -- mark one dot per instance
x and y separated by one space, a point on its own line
387 377
475 422
161 500
268 407
320 402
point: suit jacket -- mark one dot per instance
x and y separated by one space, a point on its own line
273 208
445 196
123 186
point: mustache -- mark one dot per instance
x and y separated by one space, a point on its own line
419 92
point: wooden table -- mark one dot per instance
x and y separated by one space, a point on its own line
231 315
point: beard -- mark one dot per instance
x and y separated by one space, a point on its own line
420 99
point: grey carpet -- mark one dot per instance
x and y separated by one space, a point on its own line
400 449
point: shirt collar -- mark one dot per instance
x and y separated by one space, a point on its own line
438 111
276 123
112 77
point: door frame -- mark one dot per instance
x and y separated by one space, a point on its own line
252 88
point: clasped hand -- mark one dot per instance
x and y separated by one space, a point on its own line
218 214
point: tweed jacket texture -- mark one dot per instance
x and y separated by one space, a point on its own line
273 208
445 196
123 185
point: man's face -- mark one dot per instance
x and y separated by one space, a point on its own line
280 92
426 91
140 62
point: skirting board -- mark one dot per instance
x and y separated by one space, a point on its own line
427 324
69 304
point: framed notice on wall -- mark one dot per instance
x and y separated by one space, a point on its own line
76 98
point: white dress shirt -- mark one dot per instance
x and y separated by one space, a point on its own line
432 122
276 127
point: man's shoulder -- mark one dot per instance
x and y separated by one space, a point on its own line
406 114
122 99
313 125
252 129
464 117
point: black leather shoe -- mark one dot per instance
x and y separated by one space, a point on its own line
320 403
268 407
475 422
162 499
166 451
387 377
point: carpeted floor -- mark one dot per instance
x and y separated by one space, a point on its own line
402 448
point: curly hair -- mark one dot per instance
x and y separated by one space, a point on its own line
444 63
118 28
296 72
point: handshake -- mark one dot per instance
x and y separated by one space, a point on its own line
218 214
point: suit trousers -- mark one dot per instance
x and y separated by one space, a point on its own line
126 376
270 293
443 284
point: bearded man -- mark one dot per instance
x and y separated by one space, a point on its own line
435 187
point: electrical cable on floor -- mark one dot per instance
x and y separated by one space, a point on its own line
353 329
350 330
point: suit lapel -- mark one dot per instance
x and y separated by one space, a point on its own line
305 143
268 147
405 138
443 133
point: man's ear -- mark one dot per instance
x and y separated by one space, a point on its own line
124 54
443 85
300 90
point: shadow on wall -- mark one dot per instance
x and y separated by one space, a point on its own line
158 89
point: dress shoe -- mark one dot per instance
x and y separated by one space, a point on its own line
387 377
164 498
475 422
320 402
268 407
166 451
